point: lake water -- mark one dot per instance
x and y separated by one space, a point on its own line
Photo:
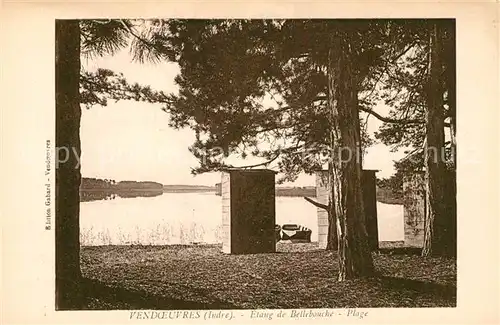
184 218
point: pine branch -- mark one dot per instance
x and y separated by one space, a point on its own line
383 118
390 120
161 50
317 204
393 120
266 163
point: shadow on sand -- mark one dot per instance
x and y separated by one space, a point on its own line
101 296
444 291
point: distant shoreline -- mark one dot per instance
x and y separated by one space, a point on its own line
144 190
101 194
93 189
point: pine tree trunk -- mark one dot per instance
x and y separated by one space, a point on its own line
451 192
355 257
332 243
67 200
435 242
450 80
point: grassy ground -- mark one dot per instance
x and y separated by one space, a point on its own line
298 276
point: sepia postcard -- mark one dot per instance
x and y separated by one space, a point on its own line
212 162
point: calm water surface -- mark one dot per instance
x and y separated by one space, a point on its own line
184 218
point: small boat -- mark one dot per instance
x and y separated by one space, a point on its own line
295 233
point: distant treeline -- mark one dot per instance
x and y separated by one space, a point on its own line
109 184
296 191
283 191
92 189
388 196
187 188
104 189
384 193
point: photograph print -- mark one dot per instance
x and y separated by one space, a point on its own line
235 164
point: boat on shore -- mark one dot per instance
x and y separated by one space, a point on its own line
293 233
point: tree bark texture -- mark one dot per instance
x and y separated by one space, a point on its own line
451 86
436 226
67 201
346 195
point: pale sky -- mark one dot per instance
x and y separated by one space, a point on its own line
131 140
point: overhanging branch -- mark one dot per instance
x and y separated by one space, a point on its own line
265 163
317 204
391 120
384 118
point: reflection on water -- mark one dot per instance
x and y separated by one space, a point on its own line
185 218
96 195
